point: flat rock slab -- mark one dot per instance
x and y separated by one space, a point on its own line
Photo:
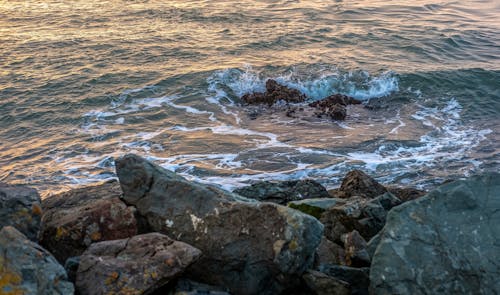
75 219
447 242
138 265
20 207
27 268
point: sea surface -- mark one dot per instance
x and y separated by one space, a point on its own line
83 82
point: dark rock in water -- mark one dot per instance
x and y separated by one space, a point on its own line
447 242
358 183
334 106
367 216
406 194
322 284
27 268
73 220
274 92
20 207
284 191
138 265
189 287
314 207
357 278
329 252
356 253
249 247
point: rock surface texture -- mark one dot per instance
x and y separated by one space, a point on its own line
73 220
274 93
249 247
27 268
358 183
138 265
20 207
447 242
284 191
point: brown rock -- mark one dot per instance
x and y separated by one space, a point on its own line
358 183
329 252
356 253
274 92
406 194
73 220
334 106
138 265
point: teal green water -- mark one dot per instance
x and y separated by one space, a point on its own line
82 82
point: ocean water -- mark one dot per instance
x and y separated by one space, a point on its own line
83 82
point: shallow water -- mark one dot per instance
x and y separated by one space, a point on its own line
83 82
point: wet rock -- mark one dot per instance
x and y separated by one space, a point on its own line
73 220
20 207
329 252
367 216
282 192
334 106
358 183
314 207
248 246
137 265
357 278
274 92
27 268
406 194
447 242
356 253
322 284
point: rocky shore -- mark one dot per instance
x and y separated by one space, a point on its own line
155 232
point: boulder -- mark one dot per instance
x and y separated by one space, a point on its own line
407 193
20 207
27 268
356 253
334 106
73 220
248 246
322 284
357 278
447 242
137 265
358 183
315 207
367 216
190 287
274 92
329 252
282 192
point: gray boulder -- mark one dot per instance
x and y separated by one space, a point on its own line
20 207
282 192
138 265
75 219
447 242
248 246
329 252
315 207
27 268
322 284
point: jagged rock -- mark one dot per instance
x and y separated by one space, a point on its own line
334 106
406 194
322 284
356 253
315 207
274 92
357 278
447 242
367 216
248 246
20 207
137 265
73 220
358 183
282 192
27 268
329 252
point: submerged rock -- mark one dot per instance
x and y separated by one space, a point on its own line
367 216
249 247
283 192
138 265
73 220
274 92
27 268
447 242
334 106
20 207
